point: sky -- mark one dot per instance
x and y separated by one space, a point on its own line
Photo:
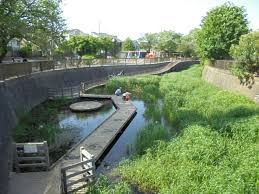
134 18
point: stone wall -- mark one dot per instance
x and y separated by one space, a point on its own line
19 95
224 79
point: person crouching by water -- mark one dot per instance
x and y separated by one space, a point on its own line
126 96
118 92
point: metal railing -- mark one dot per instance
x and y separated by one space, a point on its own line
64 92
31 155
77 176
10 70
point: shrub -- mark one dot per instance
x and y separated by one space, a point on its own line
88 57
246 55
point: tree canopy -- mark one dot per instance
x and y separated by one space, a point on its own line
128 45
89 45
168 41
149 41
38 21
188 44
246 55
220 28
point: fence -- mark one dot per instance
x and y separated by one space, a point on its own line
223 64
28 155
26 68
64 92
79 175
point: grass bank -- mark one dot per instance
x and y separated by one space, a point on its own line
217 151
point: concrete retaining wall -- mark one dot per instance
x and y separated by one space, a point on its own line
19 95
224 79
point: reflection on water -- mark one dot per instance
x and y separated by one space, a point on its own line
82 124
76 126
124 146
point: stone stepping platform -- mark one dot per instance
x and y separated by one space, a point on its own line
85 106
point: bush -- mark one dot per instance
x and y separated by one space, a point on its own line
88 57
246 55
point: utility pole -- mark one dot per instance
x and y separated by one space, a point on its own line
99 26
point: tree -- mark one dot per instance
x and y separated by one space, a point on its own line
38 21
246 55
128 45
64 49
106 44
168 41
220 28
188 45
86 44
149 41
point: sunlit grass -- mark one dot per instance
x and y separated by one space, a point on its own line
217 151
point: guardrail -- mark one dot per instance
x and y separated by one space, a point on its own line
28 155
64 92
26 68
77 176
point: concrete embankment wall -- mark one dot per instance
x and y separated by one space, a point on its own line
20 95
224 79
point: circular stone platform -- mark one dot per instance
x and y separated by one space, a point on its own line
85 106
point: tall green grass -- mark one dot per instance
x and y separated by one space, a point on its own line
145 87
217 151
148 137
103 186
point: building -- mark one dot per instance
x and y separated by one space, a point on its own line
73 32
13 47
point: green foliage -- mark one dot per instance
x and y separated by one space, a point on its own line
246 56
140 86
221 27
149 41
217 151
88 57
26 50
106 45
82 45
64 49
37 21
128 45
168 41
154 132
187 45
89 45
102 186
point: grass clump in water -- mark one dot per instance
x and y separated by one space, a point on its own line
148 137
145 87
